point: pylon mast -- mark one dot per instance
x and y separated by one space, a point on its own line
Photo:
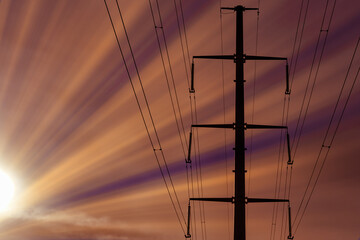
239 126
239 202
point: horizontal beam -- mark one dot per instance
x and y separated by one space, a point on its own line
246 57
248 200
231 200
228 8
214 125
257 126
228 57
238 7
250 57
259 200
247 126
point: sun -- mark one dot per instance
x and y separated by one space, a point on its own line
7 189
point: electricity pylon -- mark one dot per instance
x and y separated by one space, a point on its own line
239 126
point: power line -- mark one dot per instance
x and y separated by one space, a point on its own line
182 45
166 77
326 135
224 119
287 106
152 120
170 68
278 173
296 34
300 41
197 156
315 78
253 96
143 118
192 99
293 68
199 181
192 96
185 35
326 31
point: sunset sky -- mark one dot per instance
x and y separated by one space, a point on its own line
84 136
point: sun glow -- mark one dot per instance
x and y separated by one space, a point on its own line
7 189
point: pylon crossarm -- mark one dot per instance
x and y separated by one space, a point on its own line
258 126
260 200
246 126
231 200
214 125
251 57
227 8
238 8
224 57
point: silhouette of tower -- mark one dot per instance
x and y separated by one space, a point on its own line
239 127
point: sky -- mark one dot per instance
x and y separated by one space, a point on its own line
96 146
